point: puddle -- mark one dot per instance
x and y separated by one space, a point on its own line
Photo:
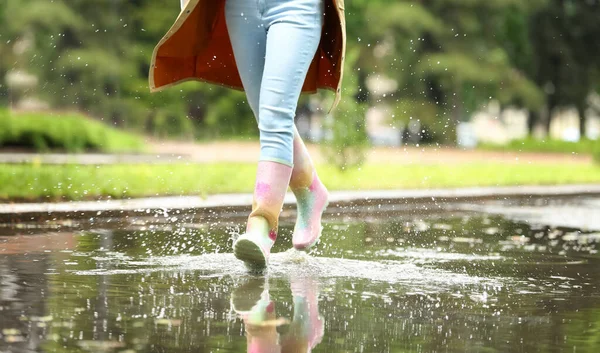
461 281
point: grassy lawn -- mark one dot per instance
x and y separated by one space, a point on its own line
75 182
583 146
529 144
68 132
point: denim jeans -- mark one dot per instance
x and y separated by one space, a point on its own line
274 42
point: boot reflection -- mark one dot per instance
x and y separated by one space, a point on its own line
252 303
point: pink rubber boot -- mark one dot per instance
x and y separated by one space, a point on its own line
254 246
311 197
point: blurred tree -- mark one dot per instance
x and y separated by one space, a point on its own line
565 63
346 138
553 43
444 56
96 59
440 60
4 55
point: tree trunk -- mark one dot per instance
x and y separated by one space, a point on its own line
549 114
547 123
532 119
457 105
582 120
362 96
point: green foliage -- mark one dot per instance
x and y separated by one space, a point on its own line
564 51
41 16
346 144
447 58
69 132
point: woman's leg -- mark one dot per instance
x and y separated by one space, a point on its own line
311 197
292 29
248 36
293 35
294 32
249 42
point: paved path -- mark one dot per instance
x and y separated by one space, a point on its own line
239 151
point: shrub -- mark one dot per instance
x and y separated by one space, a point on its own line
346 145
68 132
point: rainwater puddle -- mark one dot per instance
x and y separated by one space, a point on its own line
454 282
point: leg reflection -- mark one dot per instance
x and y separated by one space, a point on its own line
252 303
306 328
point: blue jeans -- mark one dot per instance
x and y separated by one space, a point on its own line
274 42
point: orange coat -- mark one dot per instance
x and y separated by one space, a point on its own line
197 47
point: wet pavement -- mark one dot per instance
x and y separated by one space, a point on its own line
513 275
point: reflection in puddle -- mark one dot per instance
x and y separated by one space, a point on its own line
459 283
252 302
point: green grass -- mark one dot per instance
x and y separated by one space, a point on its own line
65 132
584 146
75 182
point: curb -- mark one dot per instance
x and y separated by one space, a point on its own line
339 200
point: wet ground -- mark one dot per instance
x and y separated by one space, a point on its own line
506 276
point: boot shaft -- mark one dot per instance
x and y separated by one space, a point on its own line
272 180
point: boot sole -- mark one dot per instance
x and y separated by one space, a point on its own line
250 253
308 247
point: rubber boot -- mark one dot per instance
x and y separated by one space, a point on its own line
311 197
254 246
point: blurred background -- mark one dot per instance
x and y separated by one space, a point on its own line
431 76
